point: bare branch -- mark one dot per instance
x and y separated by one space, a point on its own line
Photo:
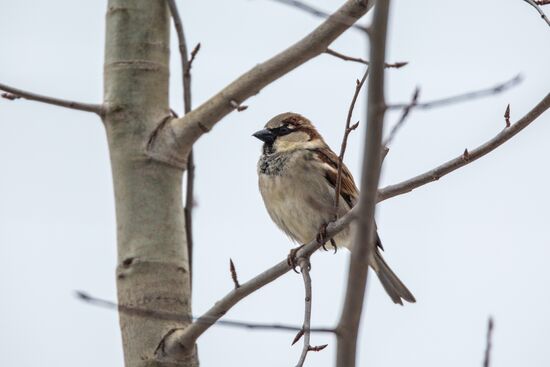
403 117
94 301
348 326
304 269
306 328
339 55
474 154
188 209
186 64
487 358
542 2
233 272
14 93
348 129
535 5
499 88
172 146
185 339
319 13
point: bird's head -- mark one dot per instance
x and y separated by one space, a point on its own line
287 132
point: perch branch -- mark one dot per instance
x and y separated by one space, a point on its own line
14 93
348 326
185 338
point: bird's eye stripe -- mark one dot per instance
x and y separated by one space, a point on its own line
282 130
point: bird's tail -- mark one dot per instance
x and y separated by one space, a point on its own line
391 283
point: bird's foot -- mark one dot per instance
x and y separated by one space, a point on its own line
322 238
322 235
293 261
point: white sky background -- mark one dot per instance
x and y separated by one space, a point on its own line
473 244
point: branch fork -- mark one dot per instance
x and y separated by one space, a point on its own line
173 145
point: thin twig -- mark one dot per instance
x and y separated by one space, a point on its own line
160 315
507 116
348 129
14 93
363 243
395 65
403 117
538 8
194 53
304 269
186 64
319 13
473 154
233 272
489 343
499 88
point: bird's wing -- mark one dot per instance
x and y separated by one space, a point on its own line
348 190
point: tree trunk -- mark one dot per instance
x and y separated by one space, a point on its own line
153 266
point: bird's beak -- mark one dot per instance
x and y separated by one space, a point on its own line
265 135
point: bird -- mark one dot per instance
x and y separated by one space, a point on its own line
297 173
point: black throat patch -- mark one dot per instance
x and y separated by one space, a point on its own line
272 164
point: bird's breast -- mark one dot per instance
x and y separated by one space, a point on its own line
297 198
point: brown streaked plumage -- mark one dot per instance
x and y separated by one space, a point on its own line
297 178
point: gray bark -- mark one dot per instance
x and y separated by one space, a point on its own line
153 266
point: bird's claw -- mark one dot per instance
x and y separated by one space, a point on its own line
333 243
322 238
294 262
291 258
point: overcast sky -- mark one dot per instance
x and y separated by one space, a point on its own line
473 244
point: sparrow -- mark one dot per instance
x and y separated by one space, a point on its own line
297 174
